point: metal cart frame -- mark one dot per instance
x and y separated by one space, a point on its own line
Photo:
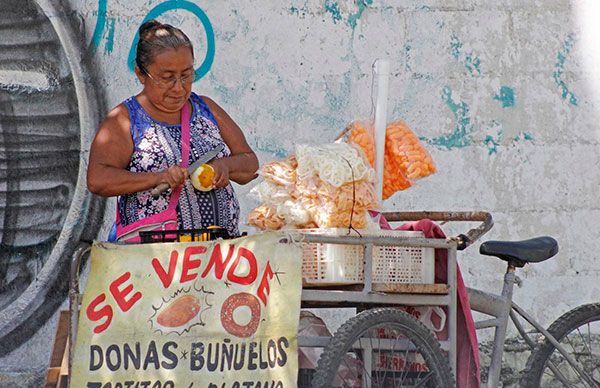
352 298
368 297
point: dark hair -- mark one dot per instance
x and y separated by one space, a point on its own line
155 37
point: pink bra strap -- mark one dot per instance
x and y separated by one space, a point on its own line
185 136
185 151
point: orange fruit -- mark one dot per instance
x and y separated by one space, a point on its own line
202 177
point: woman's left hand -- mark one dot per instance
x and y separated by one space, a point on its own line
221 168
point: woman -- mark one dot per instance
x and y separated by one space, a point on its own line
138 146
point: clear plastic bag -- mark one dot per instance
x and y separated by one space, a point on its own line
327 186
269 193
280 172
337 207
405 158
405 148
265 217
334 163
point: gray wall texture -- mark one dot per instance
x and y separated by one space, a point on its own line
503 93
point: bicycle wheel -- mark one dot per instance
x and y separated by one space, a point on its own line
383 347
578 332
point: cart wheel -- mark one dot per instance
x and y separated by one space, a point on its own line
383 347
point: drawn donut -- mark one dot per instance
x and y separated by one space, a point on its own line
232 303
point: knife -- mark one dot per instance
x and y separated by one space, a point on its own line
207 157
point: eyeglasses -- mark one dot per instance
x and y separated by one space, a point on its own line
169 82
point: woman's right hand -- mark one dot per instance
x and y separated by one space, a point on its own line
174 176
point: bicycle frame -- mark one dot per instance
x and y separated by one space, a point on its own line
501 307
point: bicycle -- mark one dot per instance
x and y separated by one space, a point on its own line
551 363
564 356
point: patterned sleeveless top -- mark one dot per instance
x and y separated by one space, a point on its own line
157 146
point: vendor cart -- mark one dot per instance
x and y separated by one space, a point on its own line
382 345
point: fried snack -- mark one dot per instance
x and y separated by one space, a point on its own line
361 134
281 172
406 149
405 158
270 193
330 217
336 163
331 207
265 217
338 199
394 178
293 213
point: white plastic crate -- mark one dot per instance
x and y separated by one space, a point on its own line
332 264
337 264
394 264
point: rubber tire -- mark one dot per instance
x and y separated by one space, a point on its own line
559 329
353 329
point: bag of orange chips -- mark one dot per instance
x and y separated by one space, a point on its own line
406 149
405 158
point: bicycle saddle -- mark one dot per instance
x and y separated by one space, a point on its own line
520 253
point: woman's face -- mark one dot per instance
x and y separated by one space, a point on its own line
168 82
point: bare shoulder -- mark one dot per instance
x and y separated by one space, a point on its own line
208 100
114 132
117 119
215 108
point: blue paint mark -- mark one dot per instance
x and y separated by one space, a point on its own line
461 136
566 94
333 8
320 114
226 93
455 46
110 39
340 99
100 23
407 56
200 14
526 136
492 143
234 93
506 97
273 149
473 63
469 60
362 5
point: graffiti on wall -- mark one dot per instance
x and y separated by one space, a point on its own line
46 111
105 26
47 120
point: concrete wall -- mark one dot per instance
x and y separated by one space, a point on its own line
504 93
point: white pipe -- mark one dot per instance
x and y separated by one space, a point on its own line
382 70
